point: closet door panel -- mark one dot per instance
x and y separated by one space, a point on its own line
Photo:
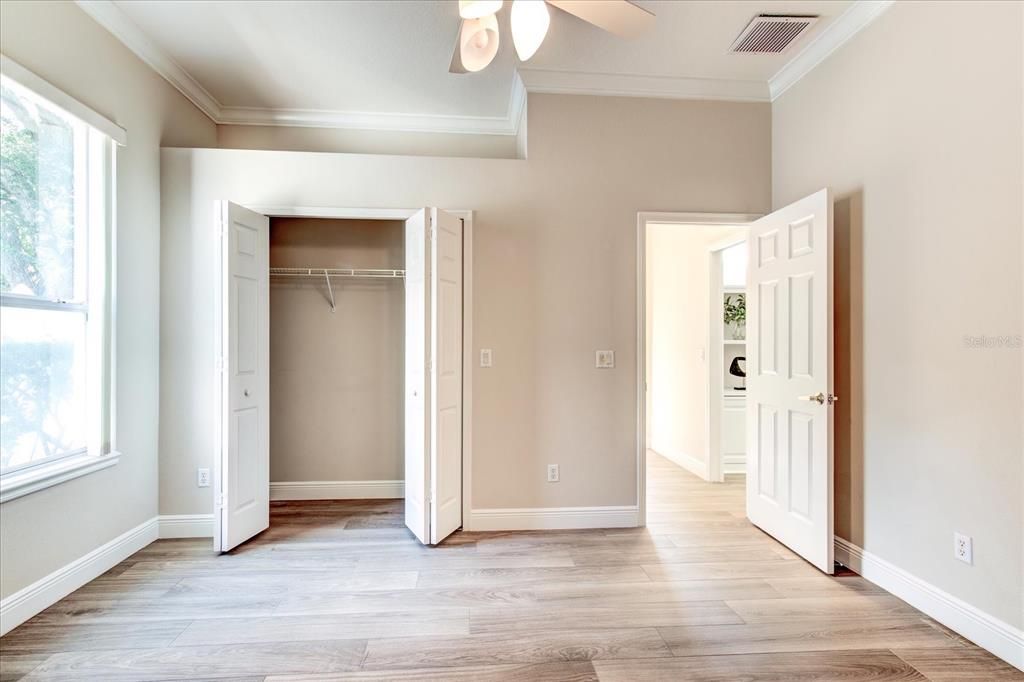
242 472
417 385
446 245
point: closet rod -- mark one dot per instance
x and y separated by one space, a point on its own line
327 273
337 272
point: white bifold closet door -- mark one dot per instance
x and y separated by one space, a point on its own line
789 377
242 474
433 374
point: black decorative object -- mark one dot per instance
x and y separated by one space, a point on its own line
737 371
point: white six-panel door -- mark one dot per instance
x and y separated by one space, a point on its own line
417 383
446 374
242 474
433 375
789 378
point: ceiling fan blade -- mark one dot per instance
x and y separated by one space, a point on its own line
620 17
456 65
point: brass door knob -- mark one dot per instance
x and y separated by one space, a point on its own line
821 398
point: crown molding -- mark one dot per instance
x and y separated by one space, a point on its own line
358 120
385 121
846 25
109 16
633 85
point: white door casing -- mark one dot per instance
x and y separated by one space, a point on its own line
789 377
446 374
242 471
417 384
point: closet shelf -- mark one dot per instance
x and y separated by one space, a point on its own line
327 273
337 272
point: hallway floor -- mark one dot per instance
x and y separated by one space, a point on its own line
340 590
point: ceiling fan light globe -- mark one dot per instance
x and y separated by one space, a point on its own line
530 22
475 9
478 42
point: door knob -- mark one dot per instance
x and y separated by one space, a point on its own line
820 398
245 393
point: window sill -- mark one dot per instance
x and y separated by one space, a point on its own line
20 483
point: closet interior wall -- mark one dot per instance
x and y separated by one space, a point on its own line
336 379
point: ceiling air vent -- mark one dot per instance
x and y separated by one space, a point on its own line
771 33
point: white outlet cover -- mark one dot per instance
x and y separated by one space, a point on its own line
486 357
963 548
552 473
203 478
604 359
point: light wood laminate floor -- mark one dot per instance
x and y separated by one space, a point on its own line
341 591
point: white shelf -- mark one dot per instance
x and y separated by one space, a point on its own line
337 272
735 341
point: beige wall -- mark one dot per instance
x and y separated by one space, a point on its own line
366 141
923 149
554 276
46 530
336 379
678 298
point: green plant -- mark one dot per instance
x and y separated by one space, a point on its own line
736 309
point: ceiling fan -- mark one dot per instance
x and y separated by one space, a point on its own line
478 32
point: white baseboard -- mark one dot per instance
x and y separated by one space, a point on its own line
186 526
337 490
48 590
988 632
695 466
553 518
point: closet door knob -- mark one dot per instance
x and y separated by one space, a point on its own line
246 393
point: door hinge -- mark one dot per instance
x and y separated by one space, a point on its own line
220 364
219 501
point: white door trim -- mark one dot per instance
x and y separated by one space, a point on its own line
643 219
355 213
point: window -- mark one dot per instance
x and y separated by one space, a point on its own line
54 364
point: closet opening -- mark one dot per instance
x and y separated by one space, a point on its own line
342 369
337 343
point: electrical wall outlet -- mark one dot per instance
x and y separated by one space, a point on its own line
604 359
486 357
203 478
552 473
963 548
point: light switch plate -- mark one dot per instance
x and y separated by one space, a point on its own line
486 357
605 359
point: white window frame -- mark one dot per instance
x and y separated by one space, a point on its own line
94 211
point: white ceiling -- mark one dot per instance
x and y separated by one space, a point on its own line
361 62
